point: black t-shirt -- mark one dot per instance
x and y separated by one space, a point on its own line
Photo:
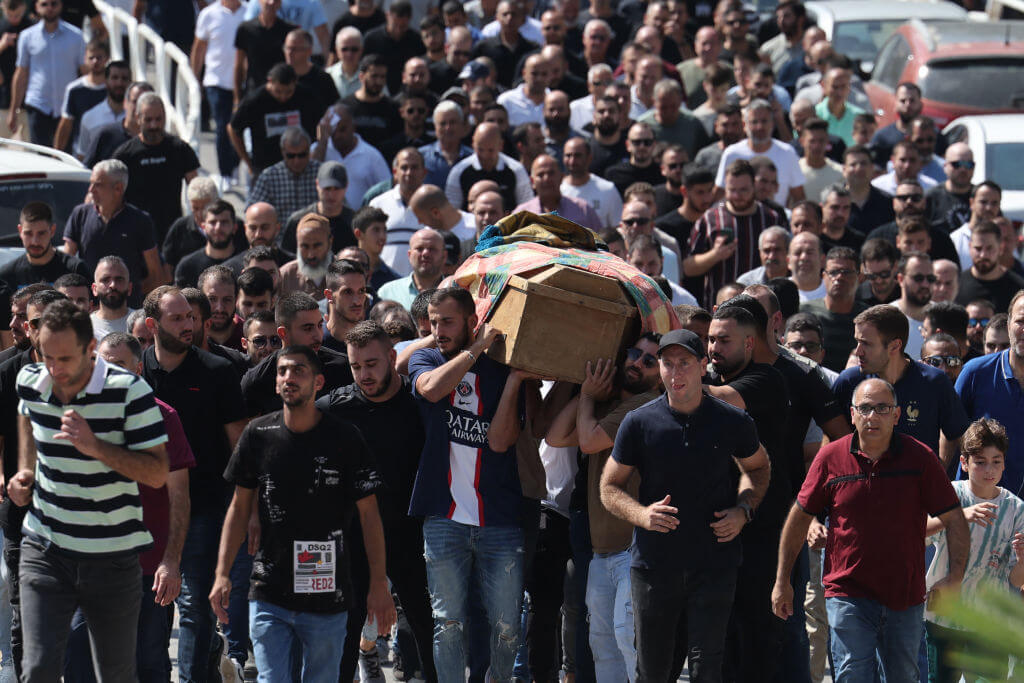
105 142
364 24
341 229
266 119
235 262
877 210
999 291
308 484
11 515
184 237
942 245
396 451
947 209
263 48
505 60
259 389
624 174
665 201
442 76
838 330
322 86
395 52
19 272
8 56
851 238
603 156
676 225
155 174
188 270
375 121
690 457
865 294
204 391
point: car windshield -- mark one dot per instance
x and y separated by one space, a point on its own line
61 195
993 84
861 40
1002 162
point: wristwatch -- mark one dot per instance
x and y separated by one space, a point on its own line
748 510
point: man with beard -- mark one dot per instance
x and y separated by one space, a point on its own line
987 278
836 204
639 166
906 165
204 390
299 323
668 196
158 164
259 336
908 108
219 286
36 299
608 146
378 400
41 262
556 123
201 313
698 189
755 636
346 302
728 129
723 244
110 110
255 292
307 272
546 177
915 277
219 226
111 287
772 246
290 184
839 307
931 411
669 122
984 204
757 121
109 137
580 183
375 116
473 412
413 108
311 470
908 203
331 185
948 204
261 227
426 255
17 335
591 422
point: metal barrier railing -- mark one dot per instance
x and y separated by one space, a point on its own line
173 81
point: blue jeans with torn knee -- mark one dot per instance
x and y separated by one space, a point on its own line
455 553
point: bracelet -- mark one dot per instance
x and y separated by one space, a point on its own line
470 354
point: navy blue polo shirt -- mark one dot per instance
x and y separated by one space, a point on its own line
987 388
927 400
689 457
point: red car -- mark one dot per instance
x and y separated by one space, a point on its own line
962 67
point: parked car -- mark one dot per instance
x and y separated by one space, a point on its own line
998 146
858 28
962 67
31 172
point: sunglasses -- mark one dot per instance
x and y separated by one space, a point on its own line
881 275
913 197
736 22
635 221
809 347
939 361
634 354
673 167
840 272
259 341
969 165
296 155
919 278
642 141
976 322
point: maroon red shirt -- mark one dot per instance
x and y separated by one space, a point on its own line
877 513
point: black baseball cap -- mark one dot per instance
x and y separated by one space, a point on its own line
688 340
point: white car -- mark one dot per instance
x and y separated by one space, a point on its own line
998 146
857 28
34 173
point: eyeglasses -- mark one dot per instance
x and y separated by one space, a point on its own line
630 222
296 155
880 275
642 141
919 278
977 322
969 165
836 273
912 197
259 341
866 409
938 361
808 346
634 354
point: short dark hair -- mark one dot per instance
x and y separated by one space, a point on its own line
610 236
888 320
813 207
431 20
219 206
117 64
196 298
338 269
115 339
696 174
257 317
948 317
401 8
843 254
368 331
987 228
741 315
255 282
878 249
71 280
787 293
814 123
367 216
420 304
984 433
805 322
999 322
992 185
45 297
282 74
64 315
370 61
740 167
461 296
218 273
688 313
856 149
36 211
28 291
299 350
290 305
260 253
758 315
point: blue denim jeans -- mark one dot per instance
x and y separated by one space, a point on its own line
275 629
610 603
866 633
195 617
455 554
220 106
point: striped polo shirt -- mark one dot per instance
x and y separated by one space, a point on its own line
79 504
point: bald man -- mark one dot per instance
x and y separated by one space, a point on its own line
427 255
488 163
948 204
546 178
262 226
526 103
433 210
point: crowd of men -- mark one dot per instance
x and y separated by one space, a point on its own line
282 422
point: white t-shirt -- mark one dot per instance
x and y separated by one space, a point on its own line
787 163
217 26
818 293
601 195
817 179
961 238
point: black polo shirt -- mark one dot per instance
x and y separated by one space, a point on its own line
877 210
504 59
689 457
263 48
11 515
184 237
129 233
259 390
999 291
204 390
